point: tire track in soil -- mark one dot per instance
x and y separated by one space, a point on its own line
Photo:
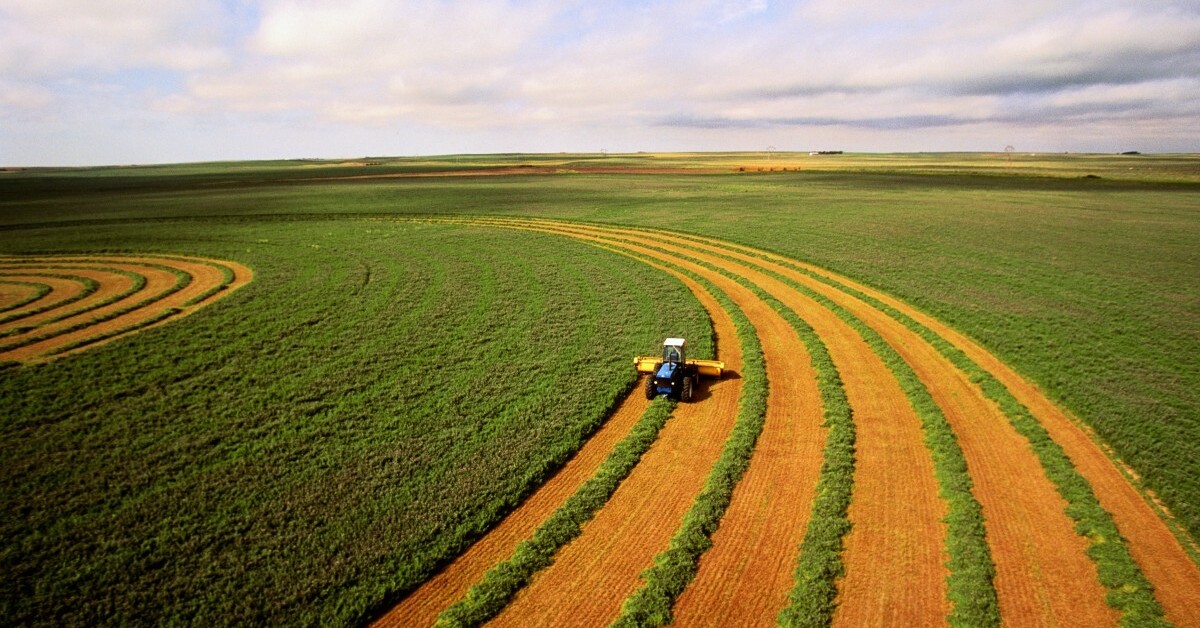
421 607
1044 576
592 575
1161 556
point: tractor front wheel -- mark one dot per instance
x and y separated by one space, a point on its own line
685 389
651 390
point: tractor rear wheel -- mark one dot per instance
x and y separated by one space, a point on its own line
685 389
651 389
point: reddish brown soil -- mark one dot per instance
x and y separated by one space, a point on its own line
906 577
422 606
1043 573
593 575
60 290
748 572
111 284
158 281
1162 557
895 553
13 293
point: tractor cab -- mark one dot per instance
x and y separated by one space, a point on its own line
674 375
673 351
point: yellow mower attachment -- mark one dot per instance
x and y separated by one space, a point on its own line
707 368
673 374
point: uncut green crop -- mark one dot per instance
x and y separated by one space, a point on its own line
314 445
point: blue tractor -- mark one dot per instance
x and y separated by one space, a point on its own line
674 375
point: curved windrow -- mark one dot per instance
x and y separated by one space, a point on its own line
55 305
971 499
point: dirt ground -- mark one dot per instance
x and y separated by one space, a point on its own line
38 335
895 553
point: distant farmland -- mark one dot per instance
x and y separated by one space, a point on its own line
965 384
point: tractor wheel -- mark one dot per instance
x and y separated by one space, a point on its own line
651 390
685 389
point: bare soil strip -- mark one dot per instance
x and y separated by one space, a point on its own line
907 583
13 292
593 575
61 289
894 554
1043 573
1161 556
164 297
111 285
421 607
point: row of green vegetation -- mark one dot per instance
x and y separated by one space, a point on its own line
182 280
812 598
1086 286
971 570
90 286
676 566
316 444
487 598
1129 591
39 291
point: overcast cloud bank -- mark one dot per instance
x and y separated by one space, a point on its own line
120 81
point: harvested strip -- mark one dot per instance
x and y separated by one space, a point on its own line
488 597
1044 574
191 297
64 289
15 294
91 321
127 294
748 571
893 555
1100 497
421 607
675 567
895 560
593 574
113 285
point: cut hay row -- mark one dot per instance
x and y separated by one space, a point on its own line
16 294
119 295
1011 504
889 536
593 575
498 586
64 290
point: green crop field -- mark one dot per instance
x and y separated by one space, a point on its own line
316 444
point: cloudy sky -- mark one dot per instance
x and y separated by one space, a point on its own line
132 81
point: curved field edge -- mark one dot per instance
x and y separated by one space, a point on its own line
971 570
310 429
487 598
1129 590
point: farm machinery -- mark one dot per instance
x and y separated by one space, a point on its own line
673 374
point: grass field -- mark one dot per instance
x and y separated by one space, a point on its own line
307 435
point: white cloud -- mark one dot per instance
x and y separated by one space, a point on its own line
544 69
48 38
